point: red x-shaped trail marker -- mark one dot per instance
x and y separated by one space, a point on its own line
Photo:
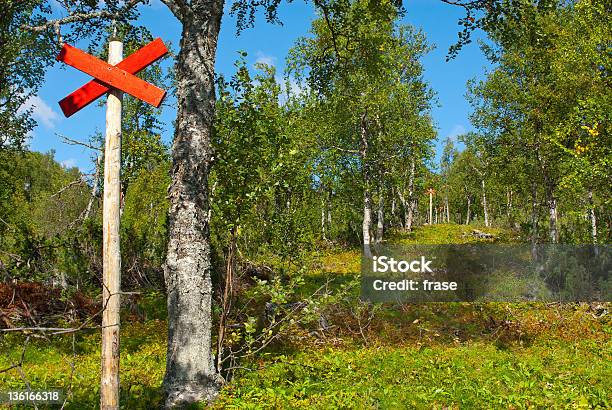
107 76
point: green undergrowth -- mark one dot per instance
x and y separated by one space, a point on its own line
436 355
535 357
550 375
57 363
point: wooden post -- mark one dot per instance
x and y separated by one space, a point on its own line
113 77
109 386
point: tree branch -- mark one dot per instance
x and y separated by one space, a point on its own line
70 185
178 7
79 17
350 151
466 5
71 141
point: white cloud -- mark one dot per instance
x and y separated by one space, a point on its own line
457 130
69 163
297 88
41 111
293 87
265 59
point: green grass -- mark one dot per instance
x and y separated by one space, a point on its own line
456 355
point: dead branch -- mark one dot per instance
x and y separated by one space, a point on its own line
94 190
70 185
467 5
71 141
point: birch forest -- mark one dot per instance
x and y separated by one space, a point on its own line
246 216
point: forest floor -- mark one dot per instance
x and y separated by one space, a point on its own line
436 355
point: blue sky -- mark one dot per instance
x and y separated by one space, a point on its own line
267 43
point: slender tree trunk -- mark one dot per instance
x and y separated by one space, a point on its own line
484 203
413 211
367 220
393 207
329 211
380 223
467 215
550 198
404 206
447 209
411 196
94 189
367 197
323 218
592 217
511 219
534 219
430 207
228 293
190 371
554 217
509 203
552 213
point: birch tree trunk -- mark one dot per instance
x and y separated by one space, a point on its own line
190 373
592 217
323 218
329 210
534 219
94 189
380 224
552 211
553 219
367 197
393 208
411 198
430 208
447 209
467 215
484 203
550 198
509 203
405 206
367 219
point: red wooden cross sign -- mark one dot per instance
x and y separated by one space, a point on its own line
106 76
